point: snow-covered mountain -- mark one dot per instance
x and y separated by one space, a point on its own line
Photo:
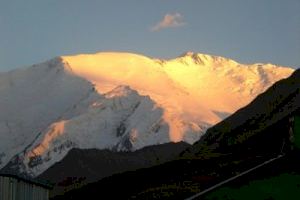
119 101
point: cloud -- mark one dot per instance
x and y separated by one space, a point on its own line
169 21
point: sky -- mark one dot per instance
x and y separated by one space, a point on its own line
248 31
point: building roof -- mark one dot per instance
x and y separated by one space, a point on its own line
40 183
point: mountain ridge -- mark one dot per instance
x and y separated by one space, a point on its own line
147 102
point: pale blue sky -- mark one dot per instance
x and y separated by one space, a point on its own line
248 31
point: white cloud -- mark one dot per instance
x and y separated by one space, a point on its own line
169 21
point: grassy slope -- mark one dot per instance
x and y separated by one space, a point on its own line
284 186
297 131
279 180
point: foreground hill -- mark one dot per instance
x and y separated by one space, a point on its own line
94 164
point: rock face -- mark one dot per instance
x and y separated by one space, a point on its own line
118 101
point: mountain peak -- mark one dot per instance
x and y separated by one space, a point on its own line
188 54
203 59
54 62
57 63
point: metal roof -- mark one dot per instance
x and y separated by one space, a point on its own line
40 183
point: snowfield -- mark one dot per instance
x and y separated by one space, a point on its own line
119 101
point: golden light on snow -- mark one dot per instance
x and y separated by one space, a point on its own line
191 89
54 131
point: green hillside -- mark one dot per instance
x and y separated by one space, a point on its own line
284 186
297 131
